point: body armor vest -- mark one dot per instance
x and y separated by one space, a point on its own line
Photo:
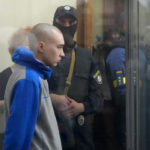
80 77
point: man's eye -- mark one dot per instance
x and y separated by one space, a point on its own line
60 46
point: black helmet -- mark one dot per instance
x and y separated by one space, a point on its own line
68 32
66 10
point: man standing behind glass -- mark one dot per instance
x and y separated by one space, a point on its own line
83 96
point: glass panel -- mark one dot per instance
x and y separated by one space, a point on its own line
117 33
132 62
144 33
109 40
137 94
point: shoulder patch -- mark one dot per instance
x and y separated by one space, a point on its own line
120 79
97 76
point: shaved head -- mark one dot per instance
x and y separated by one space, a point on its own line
49 43
44 31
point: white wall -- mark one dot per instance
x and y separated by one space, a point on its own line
97 25
16 14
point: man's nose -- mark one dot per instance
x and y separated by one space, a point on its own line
62 54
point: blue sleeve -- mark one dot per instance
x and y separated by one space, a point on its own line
115 62
23 116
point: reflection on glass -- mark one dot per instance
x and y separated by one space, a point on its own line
116 43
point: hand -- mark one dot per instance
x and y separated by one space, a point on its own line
60 102
74 108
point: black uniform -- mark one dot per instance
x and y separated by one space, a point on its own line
4 76
85 88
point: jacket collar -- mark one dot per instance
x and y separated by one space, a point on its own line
25 57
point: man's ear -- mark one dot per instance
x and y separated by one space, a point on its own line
41 46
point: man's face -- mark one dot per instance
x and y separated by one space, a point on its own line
66 21
53 50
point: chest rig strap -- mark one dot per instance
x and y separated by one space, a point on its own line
68 81
80 118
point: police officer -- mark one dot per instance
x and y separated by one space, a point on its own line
77 86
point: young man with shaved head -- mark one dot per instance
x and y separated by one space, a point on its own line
31 122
